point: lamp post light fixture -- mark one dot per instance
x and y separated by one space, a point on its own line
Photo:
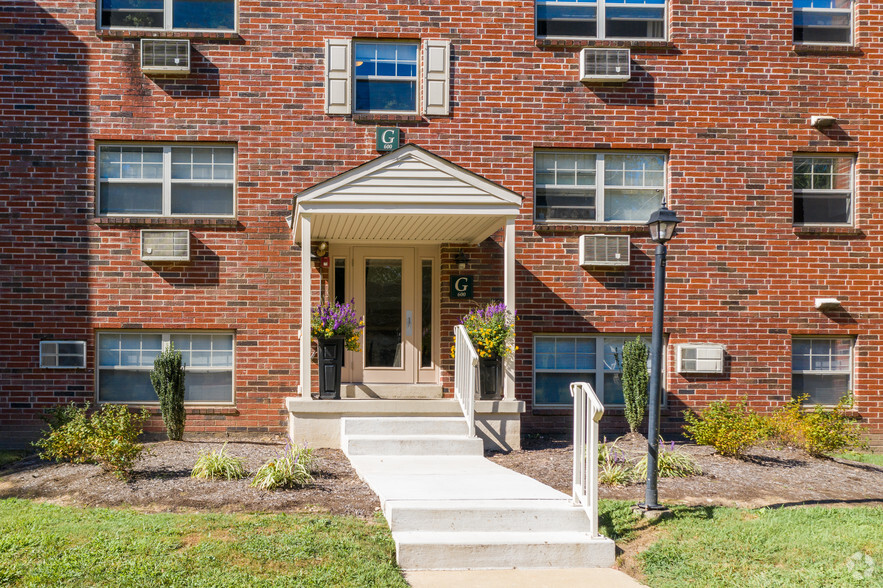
662 225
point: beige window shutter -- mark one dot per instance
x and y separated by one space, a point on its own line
338 76
437 77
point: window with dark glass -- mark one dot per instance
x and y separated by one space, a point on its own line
601 19
823 189
169 14
583 186
165 180
385 77
823 21
821 369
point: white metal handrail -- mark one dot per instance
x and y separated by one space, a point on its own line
587 411
465 375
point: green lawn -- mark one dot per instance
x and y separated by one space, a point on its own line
45 545
716 546
871 458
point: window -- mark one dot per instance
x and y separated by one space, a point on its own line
601 19
125 361
62 354
401 77
386 77
823 21
821 369
575 186
560 360
166 181
823 187
169 14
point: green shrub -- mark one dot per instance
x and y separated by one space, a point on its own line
167 377
634 381
819 431
671 463
108 437
218 465
729 429
292 470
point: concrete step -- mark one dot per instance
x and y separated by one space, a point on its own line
412 445
418 550
483 515
403 426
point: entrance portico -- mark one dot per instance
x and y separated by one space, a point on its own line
385 222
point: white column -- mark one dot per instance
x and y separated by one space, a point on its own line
306 289
509 301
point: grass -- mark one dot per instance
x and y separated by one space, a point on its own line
871 458
46 545
8 456
721 547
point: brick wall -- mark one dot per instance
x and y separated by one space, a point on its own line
728 98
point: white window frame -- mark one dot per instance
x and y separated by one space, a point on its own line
418 69
167 21
600 197
598 370
166 180
810 192
849 372
166 341
46 353
601 23
849 11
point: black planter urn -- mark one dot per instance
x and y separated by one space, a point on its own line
330 356
490 378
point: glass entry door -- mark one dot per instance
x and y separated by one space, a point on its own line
385 291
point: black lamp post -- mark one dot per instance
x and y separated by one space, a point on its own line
662 226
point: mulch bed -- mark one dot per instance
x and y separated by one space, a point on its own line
767 477
162 482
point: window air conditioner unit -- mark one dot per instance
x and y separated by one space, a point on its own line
605 65
603 250
165 56
700 359
162 245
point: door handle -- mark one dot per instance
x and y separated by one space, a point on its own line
408 320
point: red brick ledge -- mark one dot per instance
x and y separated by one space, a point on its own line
119 221
809 231
624 229
379 117
847 50
637 45
207 410
124 34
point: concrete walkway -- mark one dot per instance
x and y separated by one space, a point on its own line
449 508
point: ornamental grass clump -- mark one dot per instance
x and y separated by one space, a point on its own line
333 319
614 468
492 330
218 465
293 469
670 463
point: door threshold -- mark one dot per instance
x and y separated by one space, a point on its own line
392 391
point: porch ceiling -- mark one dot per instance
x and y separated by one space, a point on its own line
406 195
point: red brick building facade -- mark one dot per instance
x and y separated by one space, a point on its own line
716 116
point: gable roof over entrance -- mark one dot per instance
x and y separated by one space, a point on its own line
409 195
